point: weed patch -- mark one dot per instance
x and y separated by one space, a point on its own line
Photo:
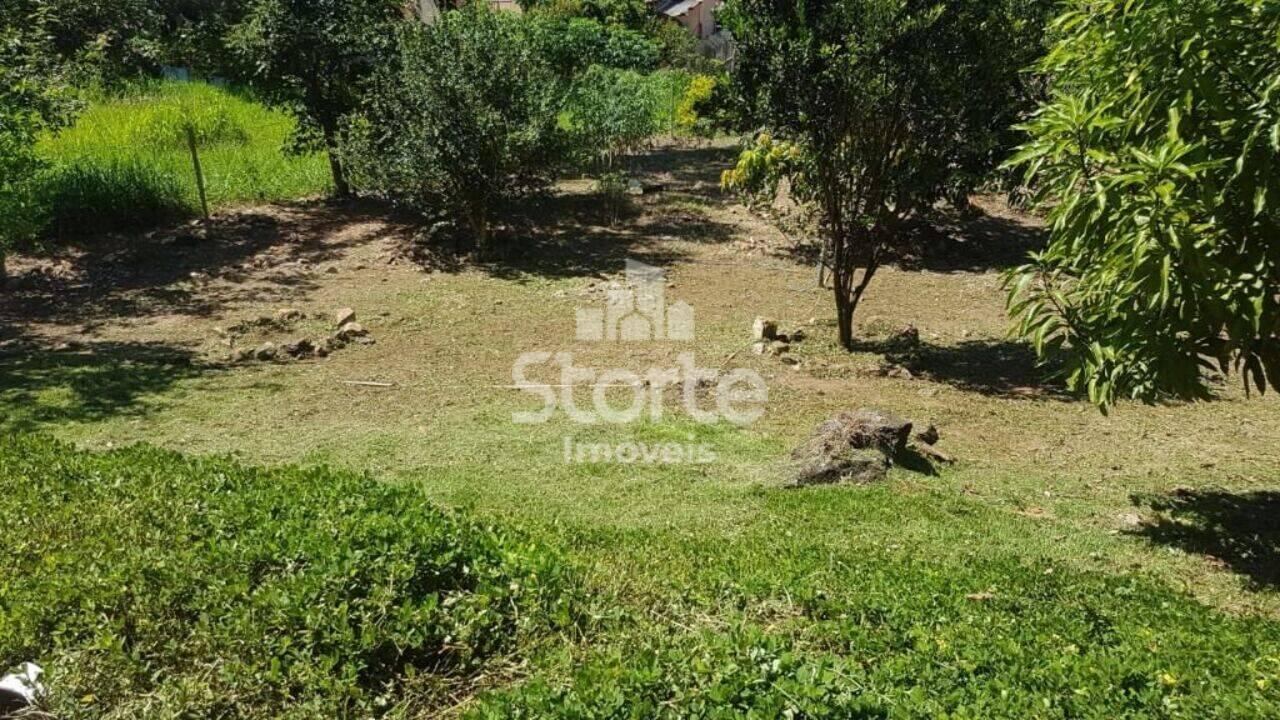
151 585
125 163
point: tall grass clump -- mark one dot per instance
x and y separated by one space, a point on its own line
148 584
610 114
126 163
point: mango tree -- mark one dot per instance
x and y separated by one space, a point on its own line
1158 160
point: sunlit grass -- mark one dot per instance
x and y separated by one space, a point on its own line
122 165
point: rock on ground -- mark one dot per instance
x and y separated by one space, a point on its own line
301 347
351 331
764 329
267 351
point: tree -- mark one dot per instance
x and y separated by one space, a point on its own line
32 101
891 104
1158 159
103 41
312 58
573 44
464 122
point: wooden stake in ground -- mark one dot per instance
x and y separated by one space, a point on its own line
195 163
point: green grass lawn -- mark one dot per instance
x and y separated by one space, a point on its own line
122 165
1005 586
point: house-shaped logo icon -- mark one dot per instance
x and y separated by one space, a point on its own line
638 311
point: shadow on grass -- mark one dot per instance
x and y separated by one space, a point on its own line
998 368
914 461
1240 531
89 198
973 240
86 382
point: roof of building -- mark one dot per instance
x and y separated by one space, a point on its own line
676 8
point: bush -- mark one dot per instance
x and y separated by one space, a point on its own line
152 585
32 101
464 124
694 113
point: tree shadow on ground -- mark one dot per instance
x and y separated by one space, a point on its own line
998 368
1240 531
947 240
579 234
167 271
564 235
975 239
693 170
914 461
86 382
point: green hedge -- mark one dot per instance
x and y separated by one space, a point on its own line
153 585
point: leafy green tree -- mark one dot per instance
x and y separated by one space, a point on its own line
312 58
891 104
33 100
632 13
573 44
99 39
466 121
104 41
1158 158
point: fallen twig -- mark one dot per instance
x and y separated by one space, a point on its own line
368 383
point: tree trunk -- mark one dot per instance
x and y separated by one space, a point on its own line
478 223
844 316
340 186
847 259
4 272
842 270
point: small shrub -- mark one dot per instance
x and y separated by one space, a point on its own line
153 585
612 188
693 113
611 113
465 123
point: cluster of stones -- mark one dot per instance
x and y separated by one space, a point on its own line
767 340
347 331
